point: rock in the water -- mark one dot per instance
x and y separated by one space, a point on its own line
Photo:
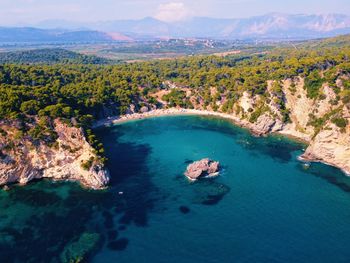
202 168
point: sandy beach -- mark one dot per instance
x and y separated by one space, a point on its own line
180 111
167 112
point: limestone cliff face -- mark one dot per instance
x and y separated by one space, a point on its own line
330 146
329 143
21 160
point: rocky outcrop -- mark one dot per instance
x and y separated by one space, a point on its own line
266 124
71 158
202 168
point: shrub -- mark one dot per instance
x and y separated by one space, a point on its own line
88 164
30 107
340 122
257 113
313 83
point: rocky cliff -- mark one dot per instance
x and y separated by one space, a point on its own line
331 146
70 157
311 121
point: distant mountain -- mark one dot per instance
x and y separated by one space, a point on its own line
50 56
277 26
29 34
274 25
270 26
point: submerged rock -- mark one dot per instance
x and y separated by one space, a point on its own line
184 209
82 249
202 168
209 193
6 188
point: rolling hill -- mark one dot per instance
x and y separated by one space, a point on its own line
50 56
36 35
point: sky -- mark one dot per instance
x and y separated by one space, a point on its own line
29 12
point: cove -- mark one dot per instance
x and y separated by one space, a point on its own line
264 207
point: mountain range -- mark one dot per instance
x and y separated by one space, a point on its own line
270 26
36 35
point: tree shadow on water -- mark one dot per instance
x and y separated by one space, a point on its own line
131 182
56 223
328 173
280 149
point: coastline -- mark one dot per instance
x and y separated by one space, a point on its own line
167 112
180 111
235 120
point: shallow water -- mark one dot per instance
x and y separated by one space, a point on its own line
264 207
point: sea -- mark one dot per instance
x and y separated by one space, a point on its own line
265 205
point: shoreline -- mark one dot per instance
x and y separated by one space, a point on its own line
180 111
167 112
235 120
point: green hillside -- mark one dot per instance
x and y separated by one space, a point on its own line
50 56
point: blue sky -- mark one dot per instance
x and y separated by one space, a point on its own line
14 12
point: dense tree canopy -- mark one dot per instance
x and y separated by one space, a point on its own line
82 91
50 56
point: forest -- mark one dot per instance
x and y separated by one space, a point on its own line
50 56
35 92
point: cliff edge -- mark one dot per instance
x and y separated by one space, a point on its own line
68 157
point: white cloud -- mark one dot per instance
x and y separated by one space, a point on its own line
172 12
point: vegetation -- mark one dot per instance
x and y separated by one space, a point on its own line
50 56
78 93
313 84
257 113
340 122
176 97
87 164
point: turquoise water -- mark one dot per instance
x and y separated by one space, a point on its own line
264 207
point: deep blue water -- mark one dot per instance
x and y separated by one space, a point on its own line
265 206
